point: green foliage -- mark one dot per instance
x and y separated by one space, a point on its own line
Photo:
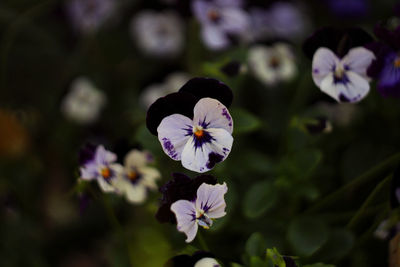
260 198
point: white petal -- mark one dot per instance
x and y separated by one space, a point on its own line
324 62
234 20
353 91
105 186
358 60
185 216
258 58
204 158
149 177
104 156
173 134
89 172
210 113
207 262
214 37
210 198
135 159
136 193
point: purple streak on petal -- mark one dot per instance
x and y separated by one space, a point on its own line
214 158
170 148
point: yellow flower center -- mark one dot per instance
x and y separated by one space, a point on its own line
133 176
396 62
213 15
198 131
339 72
106 173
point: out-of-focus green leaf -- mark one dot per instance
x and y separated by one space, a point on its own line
258 262
307 235
244 121
255 245
148 141
338 245
275 257
302 163
261 197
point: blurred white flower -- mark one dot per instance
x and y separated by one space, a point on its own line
272 64
221 20
87 16
281 20
137 177
172 83
101 166
84 101
207 262
158 33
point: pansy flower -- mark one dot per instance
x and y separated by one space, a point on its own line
272 64
194 125
221 21
198 259
87 16
171 84
97 163
340 63
386 67
209 204
158 33
137 176
84 101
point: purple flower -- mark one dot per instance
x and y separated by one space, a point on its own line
209 204
344 79
199 143
180 187
386 67
87 16
220 20
102 167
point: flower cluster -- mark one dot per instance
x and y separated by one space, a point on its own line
133 179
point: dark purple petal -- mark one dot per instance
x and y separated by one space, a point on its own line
86 154
391 38
289 261
180 187
389 78
208 87
340 41
181 103
381 51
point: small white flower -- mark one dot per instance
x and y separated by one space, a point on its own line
272 64
158 34
84 101
343 79
209 204
137 177
102 167
199 143
172 83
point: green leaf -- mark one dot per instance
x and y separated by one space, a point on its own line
244 121
338 245
260 198
255 245
258 262
275 257
307 235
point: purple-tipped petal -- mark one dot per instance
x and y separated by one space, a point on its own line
210 199
185 213
173 133
210 113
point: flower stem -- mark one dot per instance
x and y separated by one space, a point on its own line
201 241
361 212
382 169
